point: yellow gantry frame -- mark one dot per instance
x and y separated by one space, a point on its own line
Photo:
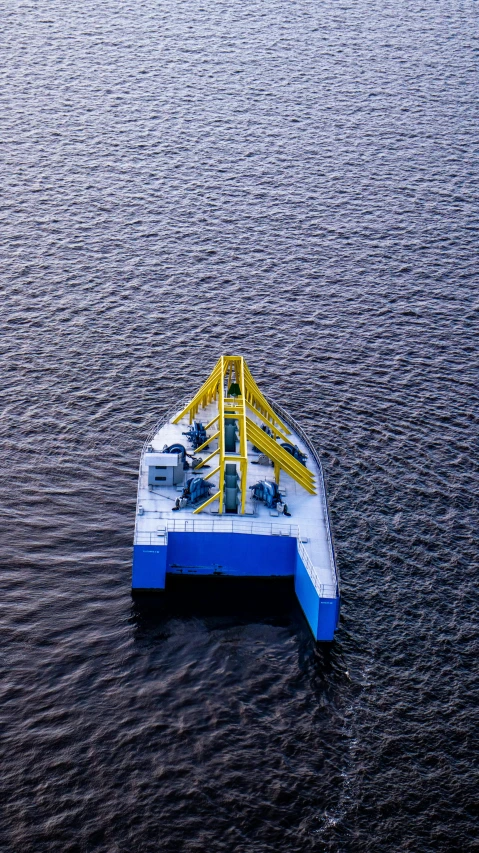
234 368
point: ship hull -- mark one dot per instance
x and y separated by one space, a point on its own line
253 505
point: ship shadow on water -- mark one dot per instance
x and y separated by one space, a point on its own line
221 602
225 602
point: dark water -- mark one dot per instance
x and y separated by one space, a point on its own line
296 182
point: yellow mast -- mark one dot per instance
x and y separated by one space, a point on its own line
249 396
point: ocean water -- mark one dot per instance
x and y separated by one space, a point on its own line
296 182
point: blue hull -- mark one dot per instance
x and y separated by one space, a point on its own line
235 555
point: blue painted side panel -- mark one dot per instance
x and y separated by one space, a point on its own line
149 567
307 595
322 613
328 618
233 554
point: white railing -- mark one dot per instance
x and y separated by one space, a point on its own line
165 419
290 421
216 525
324 590
235 525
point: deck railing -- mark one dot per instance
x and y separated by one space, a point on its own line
219 525
236 525
324 590
322 485
165 419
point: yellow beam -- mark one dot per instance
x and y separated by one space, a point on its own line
212 422
268 415
208 441
206 388
205 461
304 482
261 402
243 436
278 454
268 423
209 501
274 450
234 368
211 473
221 437
249 390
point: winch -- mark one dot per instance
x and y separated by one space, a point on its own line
196 434
195 490
294 450
270 495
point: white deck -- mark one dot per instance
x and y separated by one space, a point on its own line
308 521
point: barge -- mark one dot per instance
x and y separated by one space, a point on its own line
229 485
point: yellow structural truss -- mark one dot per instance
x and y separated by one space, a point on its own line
231 384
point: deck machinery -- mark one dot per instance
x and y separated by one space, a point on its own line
231 486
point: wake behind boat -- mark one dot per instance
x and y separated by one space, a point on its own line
239 493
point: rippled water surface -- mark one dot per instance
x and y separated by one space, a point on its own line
296 182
